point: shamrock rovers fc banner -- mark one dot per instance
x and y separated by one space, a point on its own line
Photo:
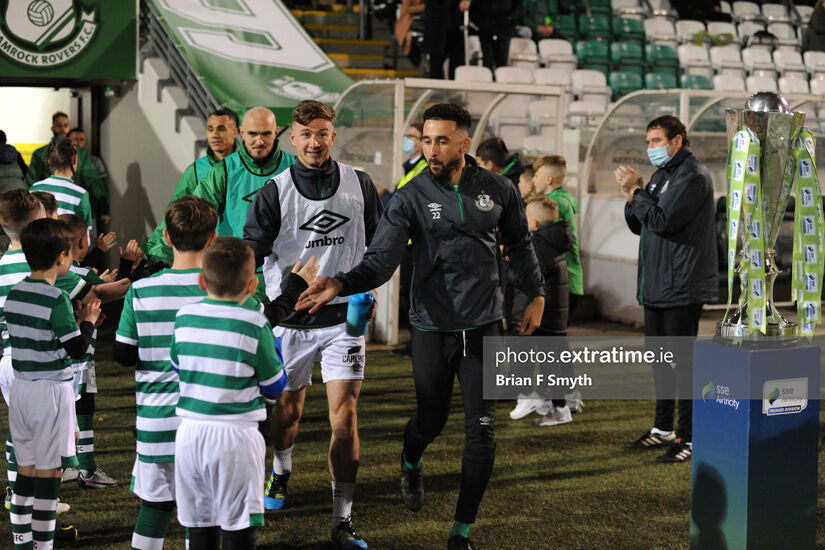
83 40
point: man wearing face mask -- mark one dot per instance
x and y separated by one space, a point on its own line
674 217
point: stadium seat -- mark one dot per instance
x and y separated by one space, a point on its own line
789 61
510 119
628 29
538 146
568 26
523 53
662 59
662 8
659 30
686 30
722 28
583 114
785 34
793 84
600 7
775 13
725 7
694 60
590 86
747 11
514 75
817 86
629 56
595 26
622 83
804 14
551 77
473 73
696 82
557 54
630 9
814 62
759 83
544 116
594 54
658 81
726 59
747 29
758 61
728 83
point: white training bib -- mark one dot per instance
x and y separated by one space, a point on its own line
331 229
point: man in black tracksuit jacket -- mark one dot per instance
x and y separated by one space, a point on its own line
674 215
450 211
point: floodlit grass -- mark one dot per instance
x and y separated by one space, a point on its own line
570 486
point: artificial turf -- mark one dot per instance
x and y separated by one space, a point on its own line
569 486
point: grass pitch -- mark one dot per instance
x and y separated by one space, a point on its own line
570 486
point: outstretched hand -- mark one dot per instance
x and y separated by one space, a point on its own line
321 291
308 271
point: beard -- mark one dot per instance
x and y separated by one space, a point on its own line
443 171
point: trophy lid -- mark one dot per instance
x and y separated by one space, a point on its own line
767 102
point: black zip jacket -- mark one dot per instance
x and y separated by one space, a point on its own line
264 222
674 215
455 283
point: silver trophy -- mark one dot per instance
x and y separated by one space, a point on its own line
770 119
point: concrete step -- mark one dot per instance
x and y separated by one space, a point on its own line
332 31
320 17
369 74
349 45
358 60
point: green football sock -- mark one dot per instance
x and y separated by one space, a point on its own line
86 443
150 529
44 508
462 529
415 466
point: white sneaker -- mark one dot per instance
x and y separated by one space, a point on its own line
62 507
574 401
526 405
545 408
70 474
95 480
561 415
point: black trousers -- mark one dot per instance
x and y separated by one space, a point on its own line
438 357
677 321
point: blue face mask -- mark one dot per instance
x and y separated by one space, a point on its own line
658 156
409 146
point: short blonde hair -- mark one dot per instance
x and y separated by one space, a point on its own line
545 208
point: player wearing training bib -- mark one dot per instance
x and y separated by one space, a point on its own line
221 131
327 209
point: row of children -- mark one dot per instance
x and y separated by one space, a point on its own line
204 297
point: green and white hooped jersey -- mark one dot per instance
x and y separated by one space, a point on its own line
331 229
224 352
71 198
39 319
13 269
91 278
147 322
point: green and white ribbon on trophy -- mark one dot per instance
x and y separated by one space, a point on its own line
745 197
808 254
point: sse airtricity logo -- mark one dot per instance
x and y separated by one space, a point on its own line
45 33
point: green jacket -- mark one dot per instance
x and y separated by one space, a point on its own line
567 211
155 247
232 184
86 177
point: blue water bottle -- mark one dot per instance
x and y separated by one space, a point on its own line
357 313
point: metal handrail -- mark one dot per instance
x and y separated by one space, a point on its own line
181 74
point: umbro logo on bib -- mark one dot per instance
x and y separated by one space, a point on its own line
324 222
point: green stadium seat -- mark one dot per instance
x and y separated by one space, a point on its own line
696 82
567 25
628 29
660 81
599 6
622 83
662 59
595 26
594 54
629 56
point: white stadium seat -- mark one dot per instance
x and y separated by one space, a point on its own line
473 73
789 61
728 83
557 54
686 29
758 83
758 61
514 75
793 84
523 53
694 60
726 59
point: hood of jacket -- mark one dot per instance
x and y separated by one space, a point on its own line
8 154
558 235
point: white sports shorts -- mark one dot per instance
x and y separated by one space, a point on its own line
42 423
154 481
219 474
342 356
6 376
